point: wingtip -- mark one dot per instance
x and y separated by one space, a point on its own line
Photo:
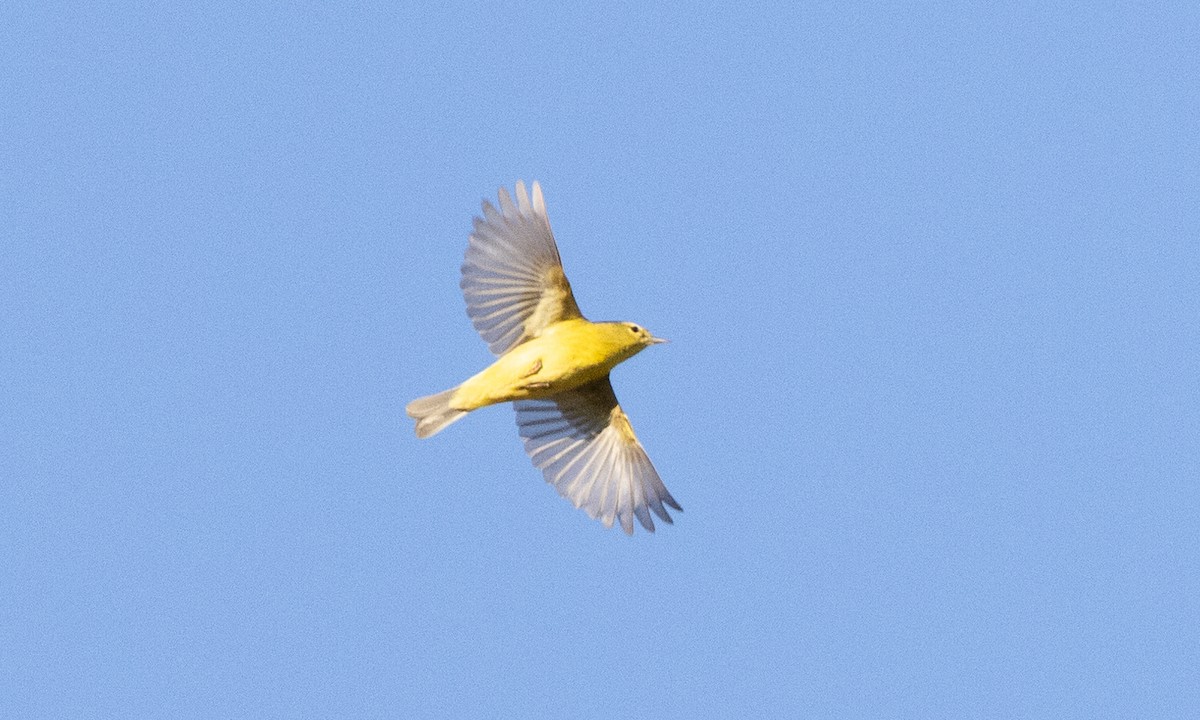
539 202
507 208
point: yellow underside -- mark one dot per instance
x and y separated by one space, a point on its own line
564 356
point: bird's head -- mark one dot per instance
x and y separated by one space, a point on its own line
626 339
640 335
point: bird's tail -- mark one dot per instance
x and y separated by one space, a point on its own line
433 412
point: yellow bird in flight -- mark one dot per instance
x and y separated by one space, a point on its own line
553 365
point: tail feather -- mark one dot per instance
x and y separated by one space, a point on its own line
433 412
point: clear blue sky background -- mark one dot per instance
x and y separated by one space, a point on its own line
931 406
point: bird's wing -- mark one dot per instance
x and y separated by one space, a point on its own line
512 277
586 448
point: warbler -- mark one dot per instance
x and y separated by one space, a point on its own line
553 365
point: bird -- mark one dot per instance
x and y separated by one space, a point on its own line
553 365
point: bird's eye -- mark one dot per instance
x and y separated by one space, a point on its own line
635 328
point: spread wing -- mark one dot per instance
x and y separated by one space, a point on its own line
586 448
512 277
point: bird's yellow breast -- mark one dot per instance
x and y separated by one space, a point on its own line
562 357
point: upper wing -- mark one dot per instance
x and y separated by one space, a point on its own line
586 448
512 277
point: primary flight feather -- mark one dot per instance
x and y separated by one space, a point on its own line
553 366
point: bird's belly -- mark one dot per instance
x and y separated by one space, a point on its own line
531 371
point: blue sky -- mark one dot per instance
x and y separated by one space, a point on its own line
931 277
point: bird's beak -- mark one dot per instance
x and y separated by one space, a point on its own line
657 340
